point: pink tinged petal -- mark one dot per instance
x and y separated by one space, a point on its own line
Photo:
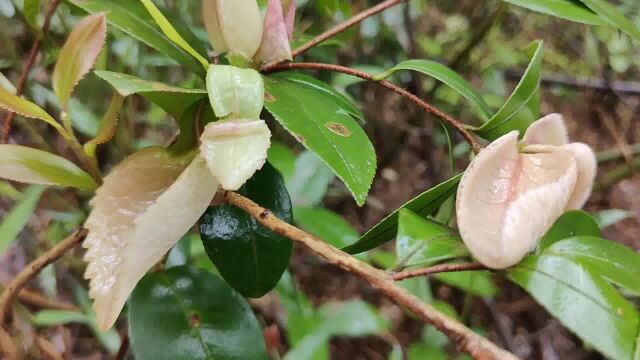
587 168
506 200
235 150
211 23
241 25
275 39
549 130
289 9
145 205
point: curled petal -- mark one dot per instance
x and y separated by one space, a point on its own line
275 38
241 25
235 150
549 130
289 8
587 167
212 24
145 205
506 200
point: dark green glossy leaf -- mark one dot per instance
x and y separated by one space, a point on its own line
132 18
250 257
566 9
424 204
186 313
15 220
613 17
422 241
447 76
570 224
476 283
173 100
310 181
615 262
523 106
326 225
320 124
342 101
583 302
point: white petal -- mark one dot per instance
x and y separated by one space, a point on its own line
145 205
212 24
549 130
241 25
587 168
235 150
506 200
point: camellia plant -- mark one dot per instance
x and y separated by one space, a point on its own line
516 205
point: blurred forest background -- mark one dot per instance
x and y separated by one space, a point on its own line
591 76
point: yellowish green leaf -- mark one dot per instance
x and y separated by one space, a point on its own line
108 125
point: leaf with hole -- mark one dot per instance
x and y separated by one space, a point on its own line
566 9
186 313
33 166
424 204
523 105
422 241
318 122
250 257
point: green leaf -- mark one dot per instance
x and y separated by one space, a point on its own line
58 317
8 190
447 76
476 283
20 106
584 303
234 92
571 223
171 32
606 218
17 218
613 17
33 166
108 125
566 9
78 55
316 121
615 262
424 204
282 158
340 100
30 11
173 100
326 225
185 313
422 241
132 18
523 106
310 180
250 257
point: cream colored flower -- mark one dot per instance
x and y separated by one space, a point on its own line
510 195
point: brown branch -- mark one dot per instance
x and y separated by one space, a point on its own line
33 54
7 347
124 346
33 269
441 268
37 300
337 30
460 127
466 339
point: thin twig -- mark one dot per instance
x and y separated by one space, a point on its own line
436 269
338 29
460 127
466 339
33 269
37 300
7 347
33 54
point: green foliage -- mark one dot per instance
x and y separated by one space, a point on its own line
108 125
13 222
26 108
424 204
476 283
572 223
613 17
326 225
566 9
282 158
249 257
184 313
422 241
310 180
315 119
